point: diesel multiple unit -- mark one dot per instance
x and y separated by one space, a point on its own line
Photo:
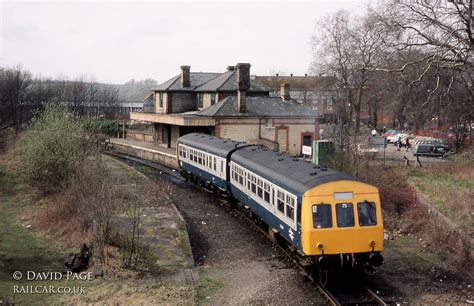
331 218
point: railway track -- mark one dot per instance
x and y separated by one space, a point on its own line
364 296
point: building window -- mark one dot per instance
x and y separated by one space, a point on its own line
160 99
329 104
199 100
213 98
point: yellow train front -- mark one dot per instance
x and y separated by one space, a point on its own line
341 224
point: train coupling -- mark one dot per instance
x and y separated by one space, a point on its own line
375 259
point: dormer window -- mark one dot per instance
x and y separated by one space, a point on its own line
213 98
199 100
160 99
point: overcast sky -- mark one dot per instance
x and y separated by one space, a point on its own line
118 41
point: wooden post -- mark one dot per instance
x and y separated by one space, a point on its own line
407 161
418 161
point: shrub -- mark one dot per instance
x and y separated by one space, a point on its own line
53 148
106 127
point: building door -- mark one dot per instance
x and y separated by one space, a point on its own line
307 139
282 139
168 132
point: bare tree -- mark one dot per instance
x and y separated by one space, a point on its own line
440 31
349 50
14 83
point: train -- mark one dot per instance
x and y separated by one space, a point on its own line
330 219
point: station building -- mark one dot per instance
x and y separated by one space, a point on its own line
229 105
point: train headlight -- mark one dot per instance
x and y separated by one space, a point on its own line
320 246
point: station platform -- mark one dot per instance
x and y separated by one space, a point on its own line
162 228
145 150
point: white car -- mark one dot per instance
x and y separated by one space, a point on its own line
394 138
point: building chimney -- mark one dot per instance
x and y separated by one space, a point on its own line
243 84
230 68
285 91
291 74
185 78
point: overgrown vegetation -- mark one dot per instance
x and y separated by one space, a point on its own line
113 128
53 149
59 157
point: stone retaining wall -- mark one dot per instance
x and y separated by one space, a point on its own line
148 154
140 136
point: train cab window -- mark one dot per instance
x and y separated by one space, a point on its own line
222 166
322 216
290 207
345 214
281 201
366 213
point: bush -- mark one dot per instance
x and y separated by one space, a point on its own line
53 148
106 127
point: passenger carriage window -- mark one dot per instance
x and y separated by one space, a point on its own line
281 201
215 164
260 188
366 213
345 214
266 192
322 216
254 185
290 207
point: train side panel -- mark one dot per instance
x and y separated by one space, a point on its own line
291 234
204 165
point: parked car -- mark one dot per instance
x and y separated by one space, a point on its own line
430 149
394 138
390 133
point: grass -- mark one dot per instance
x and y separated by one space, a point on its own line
208 286
450 188
20 249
